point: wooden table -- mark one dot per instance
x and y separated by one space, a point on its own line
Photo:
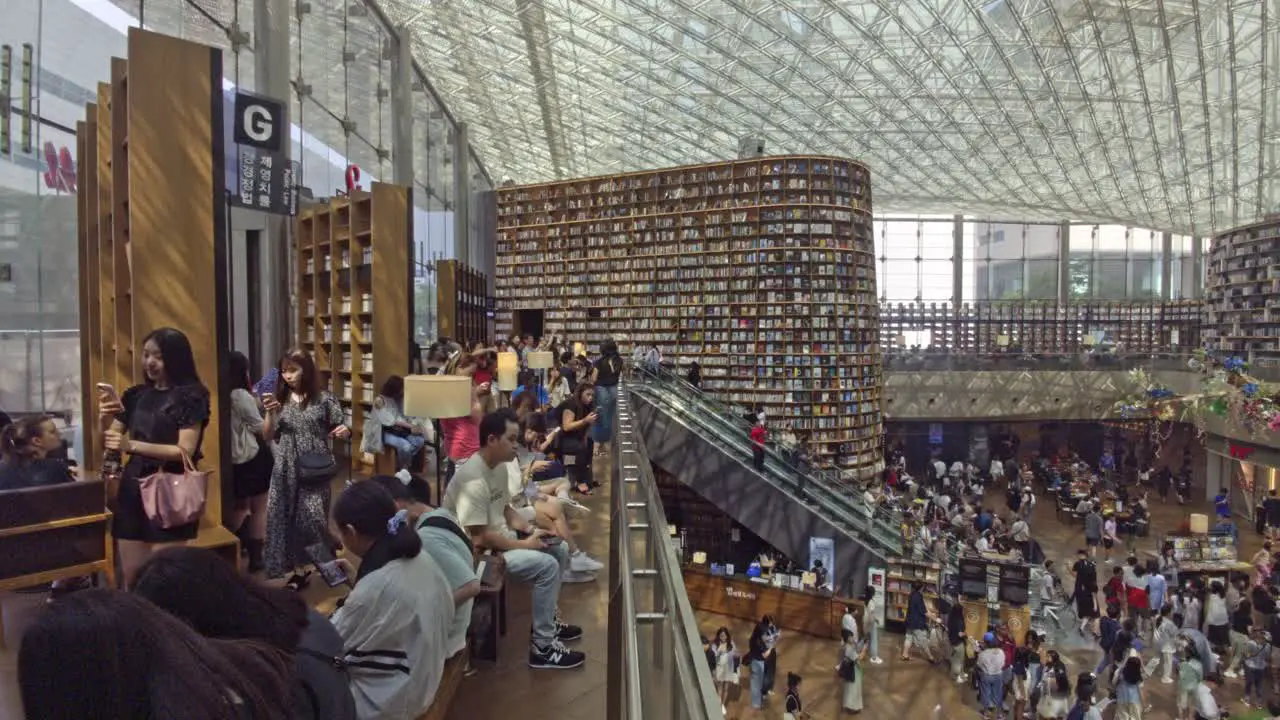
813 613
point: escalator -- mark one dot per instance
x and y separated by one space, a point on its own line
704 443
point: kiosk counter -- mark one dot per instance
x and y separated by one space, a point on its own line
807 611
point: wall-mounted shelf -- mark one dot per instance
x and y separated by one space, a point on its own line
761 270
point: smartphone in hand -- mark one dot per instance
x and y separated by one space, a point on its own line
330 570
109 390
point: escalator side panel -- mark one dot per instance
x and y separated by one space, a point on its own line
758 505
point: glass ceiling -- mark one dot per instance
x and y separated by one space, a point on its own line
1154 113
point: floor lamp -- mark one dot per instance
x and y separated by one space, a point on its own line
437 397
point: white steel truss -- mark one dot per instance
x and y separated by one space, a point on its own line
1153 113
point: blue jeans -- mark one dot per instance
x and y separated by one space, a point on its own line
543 569
405 447
757 684
606 407
991 690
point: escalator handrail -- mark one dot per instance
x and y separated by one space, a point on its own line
870 530
885 522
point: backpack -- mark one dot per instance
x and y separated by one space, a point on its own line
1109 630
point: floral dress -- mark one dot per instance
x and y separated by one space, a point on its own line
298 517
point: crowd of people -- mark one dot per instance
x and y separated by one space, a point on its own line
186 635
1148 622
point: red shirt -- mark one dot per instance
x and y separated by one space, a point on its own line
758 435
461 437
481 376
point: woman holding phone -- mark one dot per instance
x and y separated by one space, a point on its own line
156 424
303 420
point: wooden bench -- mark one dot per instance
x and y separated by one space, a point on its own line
220 540
489 613
54 533
455 669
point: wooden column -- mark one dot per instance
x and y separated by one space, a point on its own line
153 233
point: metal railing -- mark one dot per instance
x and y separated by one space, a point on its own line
657 668
836 498
933 361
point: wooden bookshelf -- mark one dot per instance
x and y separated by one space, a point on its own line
152 232
898 578
1045 326
1242 293
460 302
355 293
762 270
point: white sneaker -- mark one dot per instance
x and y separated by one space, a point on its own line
1167 681
581 562
572 576
1231 674
574 506
876 661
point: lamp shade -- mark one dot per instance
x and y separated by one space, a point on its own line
1199 523
541 360
508 370
437 396
579 349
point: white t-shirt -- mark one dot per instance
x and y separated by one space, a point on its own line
1206 706
939 468
478 495
997 468
848 623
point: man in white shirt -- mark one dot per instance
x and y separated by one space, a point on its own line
479 496
939 470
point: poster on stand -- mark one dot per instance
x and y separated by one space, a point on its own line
824 549
876 579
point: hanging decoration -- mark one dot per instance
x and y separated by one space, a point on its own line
1227 391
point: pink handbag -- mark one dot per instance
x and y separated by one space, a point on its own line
172 500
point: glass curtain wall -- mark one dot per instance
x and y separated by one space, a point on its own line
338 53
1021 261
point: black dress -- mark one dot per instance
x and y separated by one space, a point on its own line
155 416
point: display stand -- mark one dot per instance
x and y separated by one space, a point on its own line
900 575
461 311
762 270
152 232
355 299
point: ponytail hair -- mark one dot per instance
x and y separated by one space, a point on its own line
369 509
16 438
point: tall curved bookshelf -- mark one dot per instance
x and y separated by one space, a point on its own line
1242 293
762 270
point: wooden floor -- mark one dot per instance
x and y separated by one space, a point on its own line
510 689
917 691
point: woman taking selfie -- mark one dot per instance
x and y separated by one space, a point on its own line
303 420
159 425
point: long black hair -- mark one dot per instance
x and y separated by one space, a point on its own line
105 655
369 509
175 350
206 592
238 372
